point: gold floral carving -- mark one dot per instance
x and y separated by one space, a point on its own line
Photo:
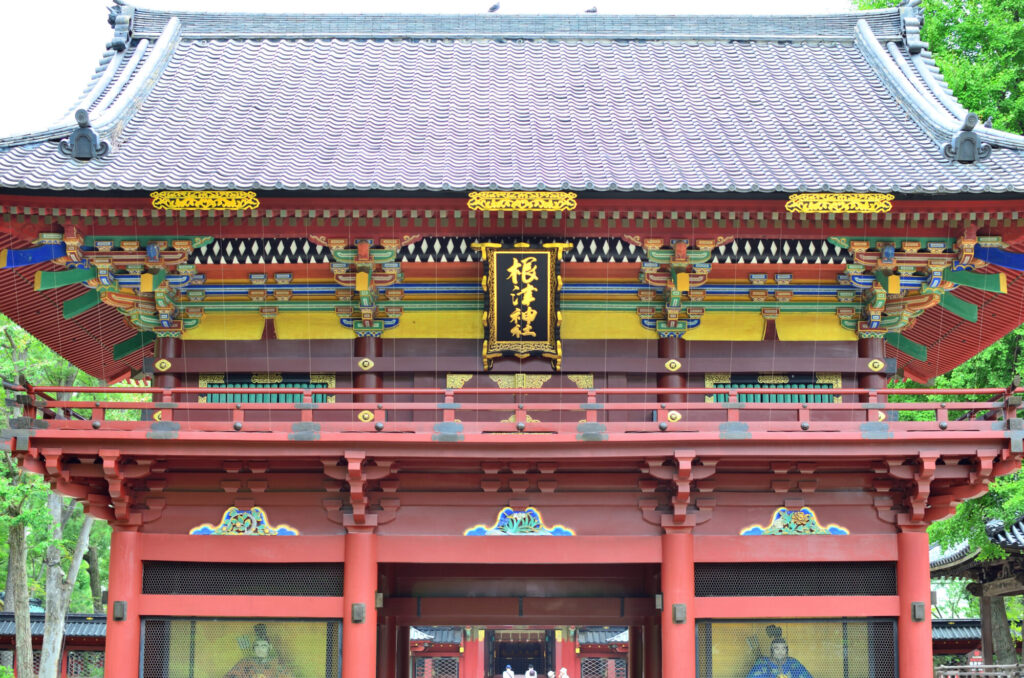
839 203
266 378
522 201
328 380
205 200
520 380
582 380
457 380
773 379
833 379
207 379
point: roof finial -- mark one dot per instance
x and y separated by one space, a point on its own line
966 147
84 144
120 19
911 14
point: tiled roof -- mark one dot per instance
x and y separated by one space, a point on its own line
75 625
438 635
1010 539
591 102
602 635
956 629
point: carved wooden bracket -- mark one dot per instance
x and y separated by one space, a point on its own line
684 476
357 474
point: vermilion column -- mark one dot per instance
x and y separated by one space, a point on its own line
473 654
403 660
386 648
636 657
359 639
913 584
671 348
677 637
565 652
123 637
652 648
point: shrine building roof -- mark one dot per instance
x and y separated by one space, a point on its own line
847 102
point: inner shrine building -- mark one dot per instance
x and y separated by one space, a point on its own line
516 328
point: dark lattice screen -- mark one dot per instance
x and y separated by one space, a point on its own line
795 579
85 664
823 648
436 667
603 667
242 579
233 648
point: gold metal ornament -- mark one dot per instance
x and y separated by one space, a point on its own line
673 365
365 416
839 203
876 365
674 416
365 364
521 201
162 365
457 380
204 200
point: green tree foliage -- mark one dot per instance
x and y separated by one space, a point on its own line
979 45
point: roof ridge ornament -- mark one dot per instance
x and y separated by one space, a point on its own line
120 19
84 143
966 146
912 16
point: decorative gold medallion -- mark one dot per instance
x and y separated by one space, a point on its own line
365 364
162 365
674 416
673 365
876 365
205 200
365 416
839 203
521 201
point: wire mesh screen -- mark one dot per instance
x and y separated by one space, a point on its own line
436 667
824 648
603 667
216 648
795 579
243 579
7 659
85 664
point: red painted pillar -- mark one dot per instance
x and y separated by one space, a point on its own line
122 649
359 639
678 658
913 584
670 348
565 651
652 648
473 655
367 347
403 660
635 663
390 653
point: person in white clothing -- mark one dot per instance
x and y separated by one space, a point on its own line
530 673
564 673
508 672
551 674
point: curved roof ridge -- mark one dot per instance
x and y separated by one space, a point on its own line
122 100
226 25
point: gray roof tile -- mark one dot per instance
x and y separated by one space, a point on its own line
610 103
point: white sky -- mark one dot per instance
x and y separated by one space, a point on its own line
48 51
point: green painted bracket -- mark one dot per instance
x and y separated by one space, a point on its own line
79 305
51 280
125 348
143 240
910 347
873 243
959 307
977 281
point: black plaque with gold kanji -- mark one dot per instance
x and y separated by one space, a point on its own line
522 303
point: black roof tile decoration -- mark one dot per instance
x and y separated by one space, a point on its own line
1010 539
75 625
585 102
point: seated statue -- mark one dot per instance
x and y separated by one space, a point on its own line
261 664
779 664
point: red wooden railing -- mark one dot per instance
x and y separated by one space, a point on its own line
585 414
